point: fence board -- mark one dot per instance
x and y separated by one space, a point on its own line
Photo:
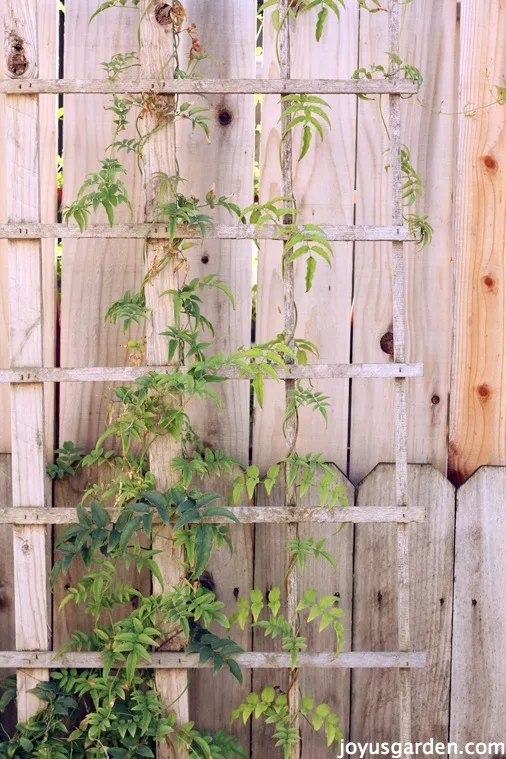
428 41
375 703
477 423
323 187
25 322
228 32
479 628
94 272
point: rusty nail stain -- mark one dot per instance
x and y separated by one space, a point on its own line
435 400
490 163
387 343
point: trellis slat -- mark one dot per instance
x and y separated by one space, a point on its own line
131 373
211 86
249 660
332 232
244 514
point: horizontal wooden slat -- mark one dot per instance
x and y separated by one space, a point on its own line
210 86
244 514
250 660
130 373
334 233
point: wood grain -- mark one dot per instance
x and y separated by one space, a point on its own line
249 660
25 321
228 31
219 231
375 696
428 41
323 188
130 373
211 86
479 629
244 514
477 431
159 156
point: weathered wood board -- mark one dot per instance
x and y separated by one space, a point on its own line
228 33
375 694
323 187
477 421
428 42
479 627
94 272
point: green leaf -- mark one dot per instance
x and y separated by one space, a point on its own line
320 23
204 538
306 142
235 670
258 387
310 272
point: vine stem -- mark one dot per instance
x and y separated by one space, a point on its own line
290 427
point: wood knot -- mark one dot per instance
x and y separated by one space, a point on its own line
490 163
205 259
474 602
489 281
387 343
17 62
483 391
379 596
163 14
435 400
224 116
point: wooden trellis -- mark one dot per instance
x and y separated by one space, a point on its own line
26 375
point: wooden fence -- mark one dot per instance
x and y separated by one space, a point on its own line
438 592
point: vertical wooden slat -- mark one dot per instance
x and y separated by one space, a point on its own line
156 36
479 627
401 454
428 42
94 272
477 421
25 314
375 694
227 163
429 136
323 187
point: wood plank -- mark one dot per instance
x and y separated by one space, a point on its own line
25 320
211 86
7 614
375 695
127 230
479 627
129 373
94 272
5 422
323 187
245 514
159 156
249 660
428 41
227 164
477 424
